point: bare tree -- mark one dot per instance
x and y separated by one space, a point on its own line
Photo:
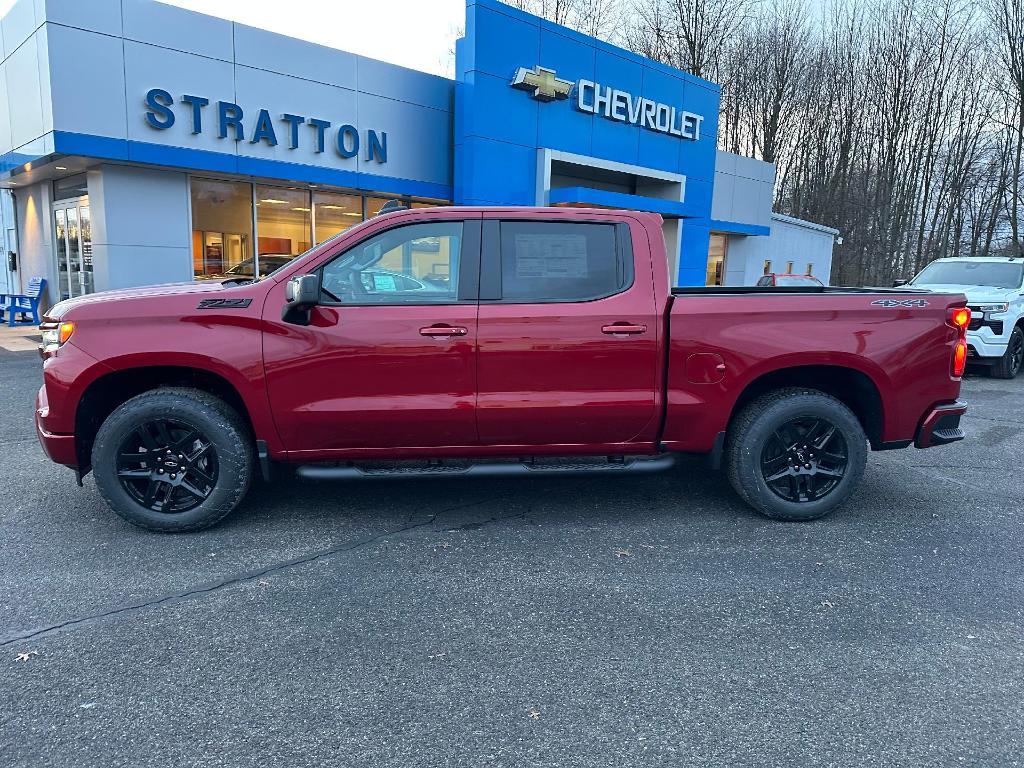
1006 18
900 122
688 34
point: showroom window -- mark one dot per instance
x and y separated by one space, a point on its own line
374 204
283 221
716 260
288 221
221 227
334 213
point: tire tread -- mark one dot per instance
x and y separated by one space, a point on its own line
738 436
227 418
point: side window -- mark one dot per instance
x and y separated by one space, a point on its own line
414 264
554 261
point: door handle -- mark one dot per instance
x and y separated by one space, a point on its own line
443 330
623 329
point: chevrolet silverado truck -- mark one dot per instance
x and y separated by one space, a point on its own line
994 287
477 341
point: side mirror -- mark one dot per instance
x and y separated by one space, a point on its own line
301 294
899 283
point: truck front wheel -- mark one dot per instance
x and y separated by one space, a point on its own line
1008 366
795 454
173 460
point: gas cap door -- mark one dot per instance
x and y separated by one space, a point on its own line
705 368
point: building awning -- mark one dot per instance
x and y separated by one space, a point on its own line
737 228
601 198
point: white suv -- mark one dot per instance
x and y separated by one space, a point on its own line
995 293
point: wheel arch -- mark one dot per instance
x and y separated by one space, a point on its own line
104 394
851 386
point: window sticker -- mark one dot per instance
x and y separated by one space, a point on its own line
550 256
384 282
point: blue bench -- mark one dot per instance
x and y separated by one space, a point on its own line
25 304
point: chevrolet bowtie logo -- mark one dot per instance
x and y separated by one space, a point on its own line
543 83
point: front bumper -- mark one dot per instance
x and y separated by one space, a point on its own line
984 343
941 425
60 448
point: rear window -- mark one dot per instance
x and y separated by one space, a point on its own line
993 274
554 261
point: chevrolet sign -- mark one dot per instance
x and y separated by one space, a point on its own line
618 105
610 103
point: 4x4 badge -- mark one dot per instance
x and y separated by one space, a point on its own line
900 302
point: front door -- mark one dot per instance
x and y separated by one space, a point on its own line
568 336
388 360
73 245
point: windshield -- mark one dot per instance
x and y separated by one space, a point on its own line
243 269
804 280
992 274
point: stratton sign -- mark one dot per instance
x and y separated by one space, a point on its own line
610 103
228 122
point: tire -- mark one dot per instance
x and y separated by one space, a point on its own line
1009 365
754 453
203 444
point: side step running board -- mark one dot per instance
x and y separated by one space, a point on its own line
628 465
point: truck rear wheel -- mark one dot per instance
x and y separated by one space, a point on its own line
173 460
795 454
1008 366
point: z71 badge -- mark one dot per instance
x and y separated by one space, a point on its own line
910 303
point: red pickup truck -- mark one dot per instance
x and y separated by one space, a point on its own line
471 341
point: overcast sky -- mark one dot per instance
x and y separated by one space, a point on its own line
413 33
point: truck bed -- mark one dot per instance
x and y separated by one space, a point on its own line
888 348
744 290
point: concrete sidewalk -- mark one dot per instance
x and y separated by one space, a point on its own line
22 338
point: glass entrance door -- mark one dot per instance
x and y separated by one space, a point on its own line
73 244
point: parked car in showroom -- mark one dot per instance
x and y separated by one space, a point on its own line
269 262
549 342
994 287
786 280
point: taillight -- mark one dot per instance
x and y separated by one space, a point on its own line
960 318
959 358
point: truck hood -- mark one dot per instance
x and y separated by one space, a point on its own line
976 294
60 309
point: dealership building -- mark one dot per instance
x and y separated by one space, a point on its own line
141 143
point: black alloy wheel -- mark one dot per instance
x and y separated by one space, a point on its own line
804 459
167 466
1016 352
1009 365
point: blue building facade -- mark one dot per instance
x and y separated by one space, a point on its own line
142 143
621 131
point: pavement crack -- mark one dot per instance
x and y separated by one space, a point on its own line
209 588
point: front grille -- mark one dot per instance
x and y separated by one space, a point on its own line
978 322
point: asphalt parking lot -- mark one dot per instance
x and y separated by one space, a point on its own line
569 622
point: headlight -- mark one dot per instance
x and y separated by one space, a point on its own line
55 335
994 308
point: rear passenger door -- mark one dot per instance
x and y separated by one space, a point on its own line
567 335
